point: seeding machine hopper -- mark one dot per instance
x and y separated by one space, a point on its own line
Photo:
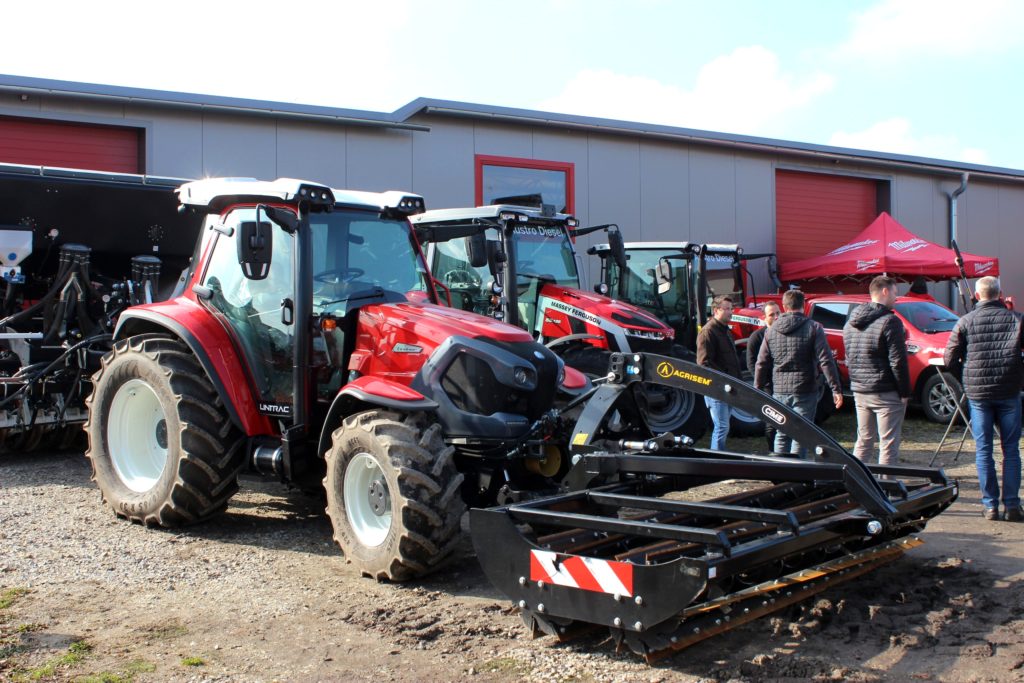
641 542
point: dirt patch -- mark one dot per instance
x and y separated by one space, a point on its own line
262 594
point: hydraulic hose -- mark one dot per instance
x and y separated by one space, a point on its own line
57 361
58 285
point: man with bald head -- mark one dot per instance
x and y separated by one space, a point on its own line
988 343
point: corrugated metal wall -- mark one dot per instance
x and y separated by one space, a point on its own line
654 189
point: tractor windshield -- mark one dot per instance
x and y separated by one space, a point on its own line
358 254
544 253
638 285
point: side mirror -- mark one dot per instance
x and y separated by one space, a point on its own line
495 255
476 247
255 248
617 247
663 276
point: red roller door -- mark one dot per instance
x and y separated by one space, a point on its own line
817 212
70 145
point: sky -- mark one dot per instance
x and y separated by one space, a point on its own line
932 78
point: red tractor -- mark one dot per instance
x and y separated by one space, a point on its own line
518 264
307 344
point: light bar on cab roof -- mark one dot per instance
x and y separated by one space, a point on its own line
217 192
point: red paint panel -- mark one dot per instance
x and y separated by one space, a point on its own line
817 212
70 145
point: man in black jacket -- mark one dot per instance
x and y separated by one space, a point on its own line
988 343
793 352
876 356
771 311
716 349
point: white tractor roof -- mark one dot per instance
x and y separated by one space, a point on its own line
492 211
212 192
216 193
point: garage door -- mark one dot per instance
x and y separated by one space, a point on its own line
817 212
70 145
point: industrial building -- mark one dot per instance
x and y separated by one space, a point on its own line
657 182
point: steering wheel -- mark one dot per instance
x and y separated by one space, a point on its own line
336 276
460 278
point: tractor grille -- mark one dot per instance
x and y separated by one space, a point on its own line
470 382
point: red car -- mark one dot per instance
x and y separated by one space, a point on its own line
928 324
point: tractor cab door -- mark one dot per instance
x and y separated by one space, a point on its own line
259 313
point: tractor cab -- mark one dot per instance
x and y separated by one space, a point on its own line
519 264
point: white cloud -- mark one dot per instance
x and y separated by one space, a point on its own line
896 136
928 28
740 92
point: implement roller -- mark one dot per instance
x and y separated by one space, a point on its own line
627 547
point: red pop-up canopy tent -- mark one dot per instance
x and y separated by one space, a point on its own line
887 247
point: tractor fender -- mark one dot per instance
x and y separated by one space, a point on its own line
365 393
202 333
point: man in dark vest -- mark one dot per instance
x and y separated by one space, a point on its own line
716 349
987 343
793 353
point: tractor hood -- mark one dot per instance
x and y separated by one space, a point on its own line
611 310
434 324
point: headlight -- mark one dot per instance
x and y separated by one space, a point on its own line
643 334
523 376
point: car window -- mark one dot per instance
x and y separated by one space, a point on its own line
926 316
832 316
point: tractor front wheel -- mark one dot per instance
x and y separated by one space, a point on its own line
163 452
393 494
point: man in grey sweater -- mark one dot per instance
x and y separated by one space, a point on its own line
793 353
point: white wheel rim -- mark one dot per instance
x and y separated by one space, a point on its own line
137 435
367 500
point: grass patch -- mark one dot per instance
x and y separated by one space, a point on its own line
10 595
505 665
29 628
135 667
193 661
77 651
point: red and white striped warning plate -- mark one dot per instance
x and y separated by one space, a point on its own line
587 573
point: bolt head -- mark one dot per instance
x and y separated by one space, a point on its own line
522 604
638 600
617 621
540 584
540 607
522 580
639 626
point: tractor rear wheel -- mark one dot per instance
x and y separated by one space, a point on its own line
665 409
163 452
393 494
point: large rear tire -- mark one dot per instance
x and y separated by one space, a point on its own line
163 452
665 409
393 494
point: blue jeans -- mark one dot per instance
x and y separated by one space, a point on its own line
720 412
803 404
1006 415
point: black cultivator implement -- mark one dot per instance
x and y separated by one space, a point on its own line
628 547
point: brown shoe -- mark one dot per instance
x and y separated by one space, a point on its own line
1015 515
992 514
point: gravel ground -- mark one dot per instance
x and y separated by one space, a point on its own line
261 594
